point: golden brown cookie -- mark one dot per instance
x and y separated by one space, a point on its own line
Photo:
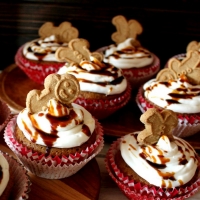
188 67
125 29
157 124
64 32
77 51
65 88
193 45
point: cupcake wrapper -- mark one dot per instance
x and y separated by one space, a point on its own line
22 183
134 190
35 70
101 109
188 124
52 167
5 115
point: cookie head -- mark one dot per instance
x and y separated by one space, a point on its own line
64 88
125 29
193 45
157 123
77 51
188 67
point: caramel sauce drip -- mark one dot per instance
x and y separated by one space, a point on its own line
49 139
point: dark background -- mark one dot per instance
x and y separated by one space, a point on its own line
168 25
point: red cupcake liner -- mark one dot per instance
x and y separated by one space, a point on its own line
188 124
135 190
5 115
101 109
35 70
22 184
72 159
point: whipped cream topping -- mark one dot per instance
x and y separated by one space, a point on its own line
176 95
58 125
165 164
125 55
42 49
4 173
96 76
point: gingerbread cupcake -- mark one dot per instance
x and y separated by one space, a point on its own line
152 163
137 63
103 88
176 88
53 137
192 46
37 58
15 183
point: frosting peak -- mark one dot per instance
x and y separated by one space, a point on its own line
166 164
128 54
57 126
42 49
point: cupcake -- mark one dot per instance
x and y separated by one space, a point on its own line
138 64
103 88
5 114
15 183
53 137
153 163
192 46
37 58
176 88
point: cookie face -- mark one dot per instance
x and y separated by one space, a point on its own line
77 51
65 88
187 67
125 29
65 32
157 124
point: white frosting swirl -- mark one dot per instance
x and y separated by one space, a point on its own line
165 164
57 126
42 49
5 175
176 95
125 55
98 77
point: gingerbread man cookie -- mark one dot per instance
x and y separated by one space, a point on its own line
125 29
65 88
77 51
193 45
157 124
64 32
188 67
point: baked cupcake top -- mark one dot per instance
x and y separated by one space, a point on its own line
4 173
51 37
127 51
51 119
92 73
177 87
156 155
